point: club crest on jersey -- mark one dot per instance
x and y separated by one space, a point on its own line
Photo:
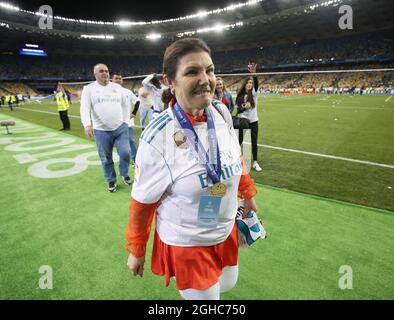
180 140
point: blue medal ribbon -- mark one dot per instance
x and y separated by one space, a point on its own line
212 162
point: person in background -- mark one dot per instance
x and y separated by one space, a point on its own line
146 106
9 102
223 95
246 101
153 85
13 100
132 100
62 107
105 115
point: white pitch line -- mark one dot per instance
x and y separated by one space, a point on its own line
328 156
47 112
56 113
277 148
387 100
335 106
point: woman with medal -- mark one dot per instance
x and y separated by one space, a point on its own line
189 173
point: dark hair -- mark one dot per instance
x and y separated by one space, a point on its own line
240 100
156 82
166 97
224 86
177 50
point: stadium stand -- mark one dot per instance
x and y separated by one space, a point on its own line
264 37
370 47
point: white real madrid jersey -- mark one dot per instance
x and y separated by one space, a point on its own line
170 173
106 106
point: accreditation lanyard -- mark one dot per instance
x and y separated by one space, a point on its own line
212 162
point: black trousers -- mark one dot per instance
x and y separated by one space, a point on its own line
254 132
65 120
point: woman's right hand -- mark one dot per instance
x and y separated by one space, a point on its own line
136 265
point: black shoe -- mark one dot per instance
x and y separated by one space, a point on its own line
112 186
127 181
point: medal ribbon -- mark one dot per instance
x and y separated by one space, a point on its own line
213 167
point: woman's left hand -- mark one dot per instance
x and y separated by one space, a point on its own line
250 205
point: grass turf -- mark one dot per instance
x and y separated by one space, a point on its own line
354 127
73 225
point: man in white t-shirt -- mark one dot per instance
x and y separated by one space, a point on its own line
131 100
104 104
146 106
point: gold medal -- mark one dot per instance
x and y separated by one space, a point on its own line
180 140
218 189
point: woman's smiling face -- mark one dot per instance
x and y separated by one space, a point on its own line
195 81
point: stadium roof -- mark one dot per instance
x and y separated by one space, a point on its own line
262 24
142 10
121 9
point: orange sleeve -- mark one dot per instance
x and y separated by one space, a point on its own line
246 188
138 229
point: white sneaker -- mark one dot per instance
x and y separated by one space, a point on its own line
256 166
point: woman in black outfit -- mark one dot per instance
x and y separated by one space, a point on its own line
246 102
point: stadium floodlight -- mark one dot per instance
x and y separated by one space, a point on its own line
202 14
186 33
153 36
8 6
325 4
231 7
124 23
219 27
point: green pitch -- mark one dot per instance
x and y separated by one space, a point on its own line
351 127
55 210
